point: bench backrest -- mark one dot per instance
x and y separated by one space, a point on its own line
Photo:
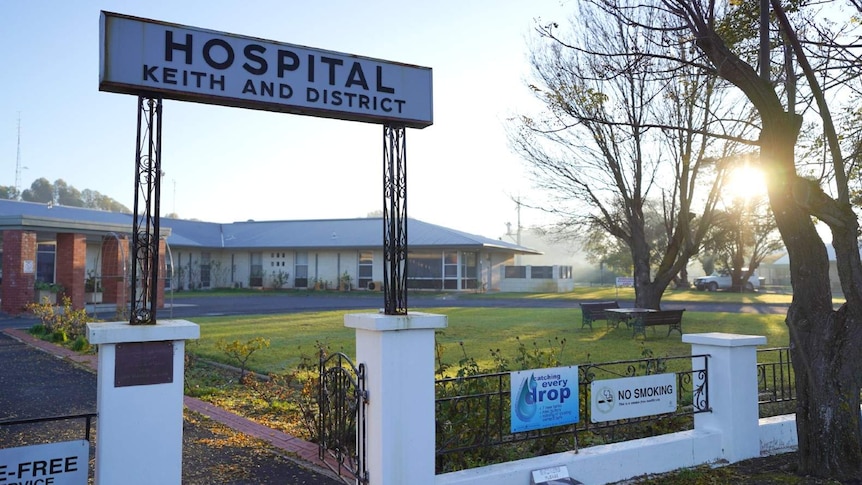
598 307
663 316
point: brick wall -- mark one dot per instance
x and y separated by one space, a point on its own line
115 257
19 271
71 267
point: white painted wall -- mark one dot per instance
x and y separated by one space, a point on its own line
731 432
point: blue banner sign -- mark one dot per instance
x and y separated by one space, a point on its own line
542 398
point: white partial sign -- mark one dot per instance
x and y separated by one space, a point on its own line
625 281
549 475
64 463
150 58
632 397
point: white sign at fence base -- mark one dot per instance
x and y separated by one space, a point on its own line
632 397
63 463
557 475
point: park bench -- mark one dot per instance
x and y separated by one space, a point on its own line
671 318
595 311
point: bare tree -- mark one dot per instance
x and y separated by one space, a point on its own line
619 129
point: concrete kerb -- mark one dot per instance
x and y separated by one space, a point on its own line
300 451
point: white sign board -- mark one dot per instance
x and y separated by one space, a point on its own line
147 57
548 474
64 463
632 397
625 281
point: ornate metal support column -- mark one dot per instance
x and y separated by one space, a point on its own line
145 229
394 220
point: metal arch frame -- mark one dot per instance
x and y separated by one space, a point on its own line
145 227
394 220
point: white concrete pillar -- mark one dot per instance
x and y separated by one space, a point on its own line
398 352
732 387
139 399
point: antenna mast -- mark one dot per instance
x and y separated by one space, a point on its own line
18 163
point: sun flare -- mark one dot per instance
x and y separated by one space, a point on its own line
745 182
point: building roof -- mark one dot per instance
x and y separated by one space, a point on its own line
364 233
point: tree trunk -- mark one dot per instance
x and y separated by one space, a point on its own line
827 385
825 344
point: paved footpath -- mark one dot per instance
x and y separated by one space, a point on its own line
290 445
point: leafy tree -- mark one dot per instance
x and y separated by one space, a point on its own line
67 195
615 253
8 192
41 190
742 235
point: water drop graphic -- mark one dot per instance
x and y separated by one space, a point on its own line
526 405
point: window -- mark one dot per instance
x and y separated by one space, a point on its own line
45 258
469 271
425 271
516 271
542 272
565 272
300 270
366 268
169 272
450 270
255 279
206 260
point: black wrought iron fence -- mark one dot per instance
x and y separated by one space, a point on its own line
341 430
473 413
27 426
29 432
776 384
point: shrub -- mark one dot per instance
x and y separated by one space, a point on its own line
240 352
69 321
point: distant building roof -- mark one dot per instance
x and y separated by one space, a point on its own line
307 234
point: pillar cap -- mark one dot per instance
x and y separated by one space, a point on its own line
382 323
120 332
719 339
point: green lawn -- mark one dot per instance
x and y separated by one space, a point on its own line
481 330
579 293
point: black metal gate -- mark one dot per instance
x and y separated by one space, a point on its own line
342 398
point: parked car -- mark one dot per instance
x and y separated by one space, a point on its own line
721 280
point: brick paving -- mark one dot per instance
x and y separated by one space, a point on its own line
289 444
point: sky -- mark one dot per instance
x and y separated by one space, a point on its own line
226 164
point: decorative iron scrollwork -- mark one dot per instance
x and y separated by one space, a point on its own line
145 226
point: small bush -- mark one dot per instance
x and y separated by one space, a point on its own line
240 352
59 336
81 344
71 322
